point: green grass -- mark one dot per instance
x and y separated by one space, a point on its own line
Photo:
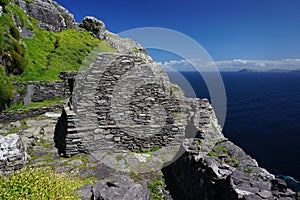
152 149
223 149
232 160
11 131
49 53
12 49
43 57
6 88
213 154
42 104
135 50
248 170
155 189
40 184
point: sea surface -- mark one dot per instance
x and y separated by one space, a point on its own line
263 116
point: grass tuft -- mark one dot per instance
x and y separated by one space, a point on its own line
40 184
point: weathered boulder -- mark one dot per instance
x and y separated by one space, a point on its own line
12 153
117 187
51 15
97 27
120 187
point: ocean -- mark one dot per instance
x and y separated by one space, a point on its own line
263 116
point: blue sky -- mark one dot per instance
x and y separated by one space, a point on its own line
231 29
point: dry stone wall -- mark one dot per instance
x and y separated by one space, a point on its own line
12 116
120 103
36 92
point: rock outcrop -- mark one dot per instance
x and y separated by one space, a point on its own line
122 45
121 187
214 168
95 26
51 15
12 153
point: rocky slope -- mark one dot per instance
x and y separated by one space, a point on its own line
51 15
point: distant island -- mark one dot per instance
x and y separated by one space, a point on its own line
275 70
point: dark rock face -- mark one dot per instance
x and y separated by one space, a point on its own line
214 168
51 15
12 153
95 26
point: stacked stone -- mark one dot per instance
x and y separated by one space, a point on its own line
12 116
37 91
12 153
121 103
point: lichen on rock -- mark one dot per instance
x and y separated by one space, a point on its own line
12 153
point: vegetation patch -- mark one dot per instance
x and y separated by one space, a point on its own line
50 53
212 154
41 104
156 189
135 50
248 170
12 49
6 88
12 130
41 184
152 149
223 149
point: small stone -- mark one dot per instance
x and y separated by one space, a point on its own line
265 194
76 162
117 139
110 136
52 115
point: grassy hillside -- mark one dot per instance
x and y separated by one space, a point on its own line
12 49
50 53
43 57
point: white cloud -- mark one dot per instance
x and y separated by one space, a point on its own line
231 65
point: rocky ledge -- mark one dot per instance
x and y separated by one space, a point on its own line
212 167
51 15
